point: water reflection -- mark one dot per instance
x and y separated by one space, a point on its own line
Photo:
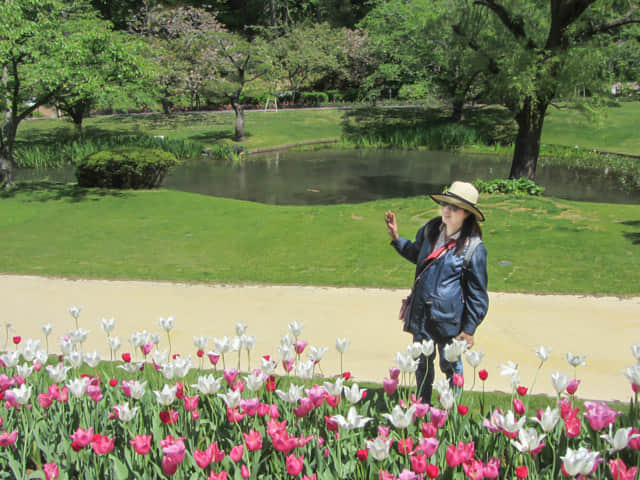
328 176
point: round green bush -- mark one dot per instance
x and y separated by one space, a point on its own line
126 168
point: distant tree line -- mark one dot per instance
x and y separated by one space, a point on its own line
106 55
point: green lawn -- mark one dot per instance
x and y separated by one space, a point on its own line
615 129
541 245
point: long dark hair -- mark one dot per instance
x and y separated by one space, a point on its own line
470 228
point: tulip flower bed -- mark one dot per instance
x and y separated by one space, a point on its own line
154 414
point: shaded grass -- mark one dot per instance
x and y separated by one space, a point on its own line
543 245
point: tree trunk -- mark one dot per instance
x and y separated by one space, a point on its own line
239 110
527 147
457 114
7 165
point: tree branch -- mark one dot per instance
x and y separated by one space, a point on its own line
608 26
514 24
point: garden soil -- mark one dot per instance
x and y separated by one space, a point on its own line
602 328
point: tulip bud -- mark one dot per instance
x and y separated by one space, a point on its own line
483 374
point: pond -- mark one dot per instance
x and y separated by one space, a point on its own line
330 176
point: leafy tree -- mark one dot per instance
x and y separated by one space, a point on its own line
39 40
413 47
541 50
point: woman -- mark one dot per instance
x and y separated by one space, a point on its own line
449 298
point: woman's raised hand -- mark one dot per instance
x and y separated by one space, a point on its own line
392 225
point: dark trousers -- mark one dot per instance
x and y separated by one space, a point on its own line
425 372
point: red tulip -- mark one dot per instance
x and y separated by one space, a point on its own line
522 472
17 339
126 357
483 374
463 410
362 454
433 470
522 390
169 416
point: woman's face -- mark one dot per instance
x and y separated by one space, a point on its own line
453 217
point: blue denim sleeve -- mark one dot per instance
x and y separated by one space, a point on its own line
475 291
409 249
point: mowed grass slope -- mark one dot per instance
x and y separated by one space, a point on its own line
540 245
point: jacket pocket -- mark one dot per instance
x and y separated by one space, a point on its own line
444 316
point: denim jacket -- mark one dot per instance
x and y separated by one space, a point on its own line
445 301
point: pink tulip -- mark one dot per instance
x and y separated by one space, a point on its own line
169 416
253 440
419 463
173 448
230 375
299 346
214 358
7 438
634 442
146 348
191 403
316 394
51 471
303 440
202 459
45 400
218 476
274 427
294 465
599 415
619 470
394 373
458 380
234 415
312 477
236 453
453 456
333 401
6 382
94 392
102 444
421 409
491 469
250 406
405 445
429 430
407 474
284 443
216 454
288 364
238 386
572 424
438 417
305 406
389 385
82 437
383 431
518 406
474 469
573 386
330 424
244 471
169 465
141 444
384 475
429 446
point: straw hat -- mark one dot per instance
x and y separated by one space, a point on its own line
463 195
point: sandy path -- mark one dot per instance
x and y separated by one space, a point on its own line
604 328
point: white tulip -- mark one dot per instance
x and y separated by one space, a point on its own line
406 363
58 372
201 342
548 419
635 350
114 343
579 462
10 359
399 418
222 344
427 347
231 398
46 329
474 357
379 448
342 344
166 323
334 389
352 420
455 349
528 440
74 358
137 389
316 353
575 360
167 395
240 328
292 396
543 353
633 373
268 367
78 386
353 394
304 370
78 336
559 381
75 312
620 440
208 384
447 399
296 328
92 359
414 350
19 395
254 381
24 370
125 413
107 324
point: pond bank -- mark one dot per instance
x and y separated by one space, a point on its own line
603 328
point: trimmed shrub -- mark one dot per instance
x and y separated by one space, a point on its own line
314 98
519 186
133 168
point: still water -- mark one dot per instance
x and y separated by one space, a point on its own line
329 176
